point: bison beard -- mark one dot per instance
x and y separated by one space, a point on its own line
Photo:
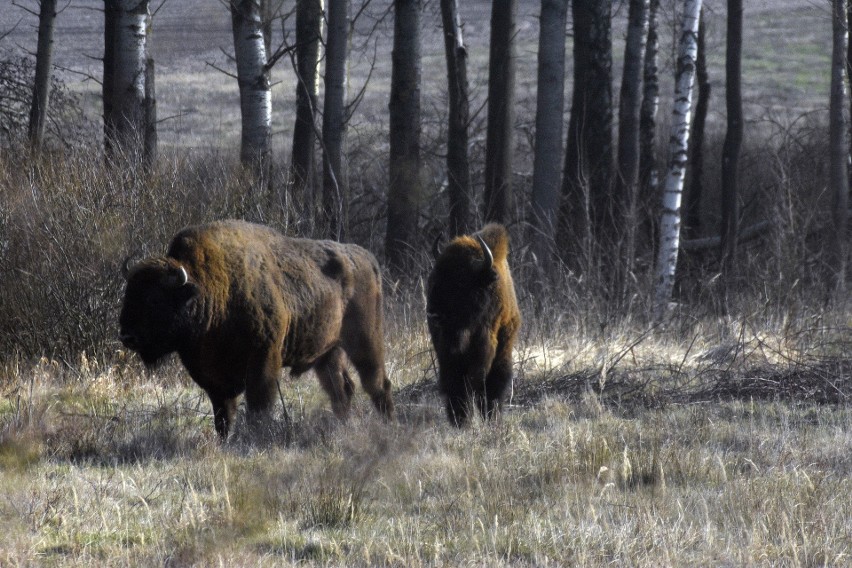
239 301
473 319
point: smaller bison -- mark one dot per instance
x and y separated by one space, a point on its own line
473 319
239 301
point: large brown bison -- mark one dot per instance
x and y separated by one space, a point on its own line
239 301
473 319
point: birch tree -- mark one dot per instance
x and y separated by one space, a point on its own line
499 138
335 190
678 152
254 85
458 160
44 67
550 105
839 151
125 63
692 201
404 193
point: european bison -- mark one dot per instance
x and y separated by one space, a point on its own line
239 301
473 319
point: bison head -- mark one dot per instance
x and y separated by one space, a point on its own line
155 306
459 292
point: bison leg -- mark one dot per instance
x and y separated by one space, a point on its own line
224 410
498 380
261 387
375 382
332 374
458 409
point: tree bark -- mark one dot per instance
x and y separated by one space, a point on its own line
839 151
151 138
254 84
108 79
733 138
550 106
308 38
43 70
335 186
128 75
499 141
404 193
678 152
585 215
692 213
648 175
458 161
630 103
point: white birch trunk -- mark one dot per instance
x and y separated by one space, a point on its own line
253 79
678 152
129 66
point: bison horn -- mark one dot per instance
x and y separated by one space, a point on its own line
436 245
182 278
125 267
175 277
486 253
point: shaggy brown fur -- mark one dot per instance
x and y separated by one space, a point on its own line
239 301
473 319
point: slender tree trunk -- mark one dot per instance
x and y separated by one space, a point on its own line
255 89
550 106
648 175
458 162
849 72
630 103
678 152
499 142
585 219
404 193
108 80
335 186
839 150
44 67
308 38
733 138
151 138
128 74
692 213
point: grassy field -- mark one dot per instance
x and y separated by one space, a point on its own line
618 450
708 441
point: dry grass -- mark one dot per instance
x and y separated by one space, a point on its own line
103 464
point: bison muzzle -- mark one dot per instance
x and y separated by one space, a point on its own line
239 301
473 319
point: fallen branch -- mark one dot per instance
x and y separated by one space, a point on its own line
749 233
